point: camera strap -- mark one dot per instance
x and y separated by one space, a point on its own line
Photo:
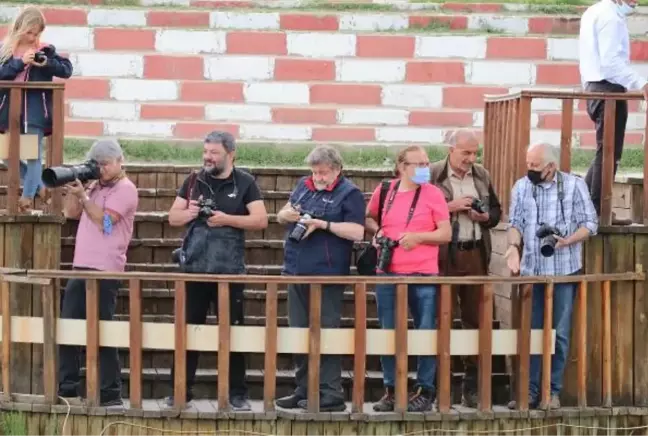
561 197
192 183
392 196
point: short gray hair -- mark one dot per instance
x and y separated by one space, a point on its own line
104 149
224 138
549 152
325 155
453 137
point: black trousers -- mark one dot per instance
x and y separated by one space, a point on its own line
595 110
298 316
200 295
73 306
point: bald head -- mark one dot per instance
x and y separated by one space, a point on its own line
542 162
463 149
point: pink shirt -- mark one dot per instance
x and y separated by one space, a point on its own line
107 252
430 209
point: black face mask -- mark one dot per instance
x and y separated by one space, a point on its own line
535 176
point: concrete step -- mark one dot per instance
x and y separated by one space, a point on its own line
157 384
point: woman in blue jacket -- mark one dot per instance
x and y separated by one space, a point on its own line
24 58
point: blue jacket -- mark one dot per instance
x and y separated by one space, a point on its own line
39 102
322 252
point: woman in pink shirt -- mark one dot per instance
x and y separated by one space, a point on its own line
415 220
24 58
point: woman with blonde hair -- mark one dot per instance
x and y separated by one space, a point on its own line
24 58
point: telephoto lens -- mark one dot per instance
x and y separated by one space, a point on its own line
55 177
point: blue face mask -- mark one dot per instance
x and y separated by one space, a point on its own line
421 175
625 9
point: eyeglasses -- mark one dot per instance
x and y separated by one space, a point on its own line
418 164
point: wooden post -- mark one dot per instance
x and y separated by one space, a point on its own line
29 242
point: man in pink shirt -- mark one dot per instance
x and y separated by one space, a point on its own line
106 212
414 221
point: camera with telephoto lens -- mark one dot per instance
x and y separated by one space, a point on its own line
55 177
42 55
206 208
387 246
300 229
477 205
547 235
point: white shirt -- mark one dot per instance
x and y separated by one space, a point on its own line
604 47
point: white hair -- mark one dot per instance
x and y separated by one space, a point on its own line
325 155
103 149
549 152
453 137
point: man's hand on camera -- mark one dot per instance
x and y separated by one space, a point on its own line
460 204
218 219
75 188
312 225
478 217
291 215
192 209
561 242
409 241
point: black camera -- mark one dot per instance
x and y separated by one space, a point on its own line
387 246
300 229
42 55
547 235
206 208
477 205
58 176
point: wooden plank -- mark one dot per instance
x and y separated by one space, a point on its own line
180 354
401 348
485 348
566 131
360 357
545 387
606 391
270 364
443 348
224 338
640 322
135 350
594 264
620 256
50 360
56 144
92 341
314 346
581 344
6 341
645 179
524 348
607 176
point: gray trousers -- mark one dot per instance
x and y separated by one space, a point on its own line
298 316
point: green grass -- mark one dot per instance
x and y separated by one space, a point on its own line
282 155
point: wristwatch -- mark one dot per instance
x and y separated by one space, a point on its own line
328 226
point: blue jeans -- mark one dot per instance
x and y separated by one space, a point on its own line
563 303
32 170
421 300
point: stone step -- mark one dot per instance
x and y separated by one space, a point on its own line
156 383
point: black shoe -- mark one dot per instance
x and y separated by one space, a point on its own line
386 403
420 401
533 403
68 393
289 402
108 402
169 401
239 403
326 405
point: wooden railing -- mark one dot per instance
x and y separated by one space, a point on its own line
507 133
54 154
443 342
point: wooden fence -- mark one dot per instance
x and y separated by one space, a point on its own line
507 132
54 150
359 341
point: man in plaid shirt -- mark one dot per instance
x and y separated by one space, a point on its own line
551 200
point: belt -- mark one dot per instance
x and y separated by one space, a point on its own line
469 245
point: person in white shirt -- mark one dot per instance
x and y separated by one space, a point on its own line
604 48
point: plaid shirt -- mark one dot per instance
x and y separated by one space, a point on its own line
579 212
